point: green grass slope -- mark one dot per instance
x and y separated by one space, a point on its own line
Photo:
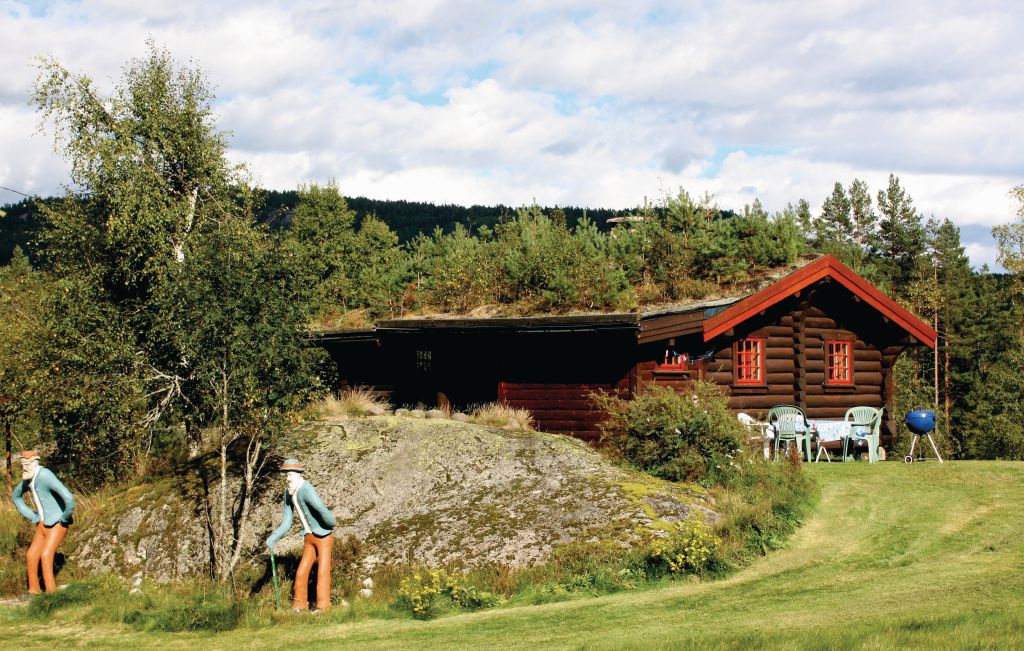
893 556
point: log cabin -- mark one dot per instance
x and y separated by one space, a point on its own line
822 338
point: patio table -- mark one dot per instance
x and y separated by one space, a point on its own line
828 431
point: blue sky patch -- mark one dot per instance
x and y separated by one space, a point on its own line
385 86
714 164
35 7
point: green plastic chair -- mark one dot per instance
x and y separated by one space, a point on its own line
865 424
790 424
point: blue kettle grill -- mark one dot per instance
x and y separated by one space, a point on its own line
921 422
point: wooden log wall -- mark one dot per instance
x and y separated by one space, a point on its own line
795 338
780 368
822 400
562 408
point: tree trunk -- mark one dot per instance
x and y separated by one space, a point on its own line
190 217
946 384
253 468
222 533
222 518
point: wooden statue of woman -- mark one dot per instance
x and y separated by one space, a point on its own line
54 506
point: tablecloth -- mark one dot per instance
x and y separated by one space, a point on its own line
828 430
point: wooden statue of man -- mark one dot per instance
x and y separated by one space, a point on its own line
300 498
54 506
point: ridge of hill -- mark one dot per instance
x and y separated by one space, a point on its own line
406 218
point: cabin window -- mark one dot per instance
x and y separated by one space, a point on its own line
424 360
839 362
673 361
749 356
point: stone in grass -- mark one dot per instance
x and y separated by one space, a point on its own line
436 413
417 413
402 412
461 417
376 410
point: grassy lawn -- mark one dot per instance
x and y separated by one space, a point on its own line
893 556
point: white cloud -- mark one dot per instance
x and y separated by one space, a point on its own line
595 103
981 254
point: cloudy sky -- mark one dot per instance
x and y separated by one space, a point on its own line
568 102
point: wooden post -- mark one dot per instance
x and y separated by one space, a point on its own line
949 433
8 465
8 404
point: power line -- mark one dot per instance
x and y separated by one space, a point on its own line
3 187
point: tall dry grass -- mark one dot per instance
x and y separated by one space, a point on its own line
355 402
502 416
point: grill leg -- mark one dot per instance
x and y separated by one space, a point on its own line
937 455
910 457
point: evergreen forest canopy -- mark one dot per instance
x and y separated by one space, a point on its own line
159 307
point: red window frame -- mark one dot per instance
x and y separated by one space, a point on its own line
748 358
839 362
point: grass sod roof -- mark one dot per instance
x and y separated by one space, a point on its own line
713 316
492 317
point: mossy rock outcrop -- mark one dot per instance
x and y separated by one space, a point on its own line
426 491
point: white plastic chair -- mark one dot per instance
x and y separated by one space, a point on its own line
758 429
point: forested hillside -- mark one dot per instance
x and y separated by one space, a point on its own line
406 218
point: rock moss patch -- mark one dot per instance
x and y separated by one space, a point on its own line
429 491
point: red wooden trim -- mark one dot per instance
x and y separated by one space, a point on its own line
826 266
844 362
759 352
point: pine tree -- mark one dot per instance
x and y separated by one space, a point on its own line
954 315
835 224
901 238
801 213
864 218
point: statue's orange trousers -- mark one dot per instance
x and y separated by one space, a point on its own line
319 549
42 551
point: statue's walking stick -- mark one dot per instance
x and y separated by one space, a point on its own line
273 572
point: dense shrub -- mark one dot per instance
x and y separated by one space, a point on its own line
688 437
546 265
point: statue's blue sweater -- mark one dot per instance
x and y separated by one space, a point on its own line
315 512
57 501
